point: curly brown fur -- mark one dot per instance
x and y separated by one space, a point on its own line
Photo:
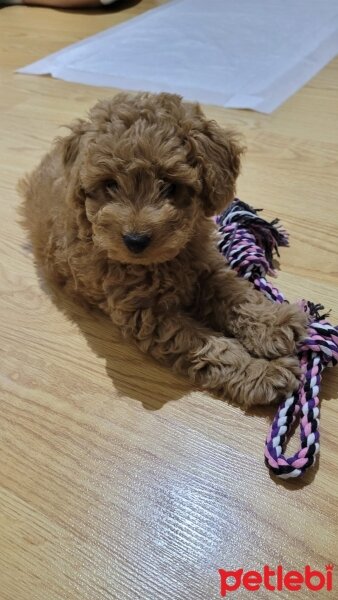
154 166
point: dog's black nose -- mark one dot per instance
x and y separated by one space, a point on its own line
136 242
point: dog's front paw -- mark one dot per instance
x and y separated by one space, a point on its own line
275 333
270 381
286 331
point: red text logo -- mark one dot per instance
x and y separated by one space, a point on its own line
275 580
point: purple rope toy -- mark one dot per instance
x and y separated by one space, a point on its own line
248 242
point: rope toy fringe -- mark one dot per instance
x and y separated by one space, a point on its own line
248 242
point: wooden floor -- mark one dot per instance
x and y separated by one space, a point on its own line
117 480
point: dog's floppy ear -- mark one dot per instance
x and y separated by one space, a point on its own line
70 145
216 152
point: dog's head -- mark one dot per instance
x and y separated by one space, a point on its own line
144 170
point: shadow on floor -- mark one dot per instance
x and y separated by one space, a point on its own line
104 339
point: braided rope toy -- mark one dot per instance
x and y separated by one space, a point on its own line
248 242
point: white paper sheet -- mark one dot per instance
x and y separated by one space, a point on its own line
240 54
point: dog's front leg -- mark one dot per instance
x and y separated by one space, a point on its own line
217 364
230 304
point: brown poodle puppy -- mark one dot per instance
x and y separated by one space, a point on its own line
119 213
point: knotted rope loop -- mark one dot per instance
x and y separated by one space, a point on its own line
249 243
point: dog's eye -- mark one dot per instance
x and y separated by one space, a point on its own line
169 189
111 185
